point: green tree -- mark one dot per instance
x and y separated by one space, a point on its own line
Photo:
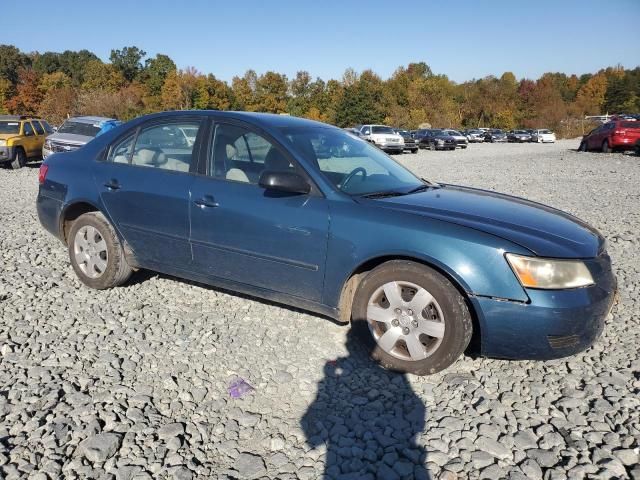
47 62
74 64
271 93
11 61
128 61
155 72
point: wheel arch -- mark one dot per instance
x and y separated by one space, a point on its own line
70 213
352 281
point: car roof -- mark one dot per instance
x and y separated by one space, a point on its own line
267 119
90 119
18 117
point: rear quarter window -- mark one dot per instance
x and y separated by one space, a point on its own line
632 125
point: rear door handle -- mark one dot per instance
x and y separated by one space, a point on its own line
112 184
206 201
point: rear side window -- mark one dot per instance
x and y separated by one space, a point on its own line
28 129
121 152
38 127
167 146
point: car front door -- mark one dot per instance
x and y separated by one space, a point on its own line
30 139
244 233
144 183
40 136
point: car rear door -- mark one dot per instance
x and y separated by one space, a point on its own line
144 183
244 233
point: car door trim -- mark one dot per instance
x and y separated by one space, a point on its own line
259 256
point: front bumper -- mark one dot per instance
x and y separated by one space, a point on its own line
391 147
6 154
553 324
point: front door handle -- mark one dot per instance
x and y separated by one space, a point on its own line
112 184
206 201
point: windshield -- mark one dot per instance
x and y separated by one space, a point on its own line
9 127
521 132
79 128
453 132
378 129
352 165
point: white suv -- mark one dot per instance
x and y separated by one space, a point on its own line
383 137
543 136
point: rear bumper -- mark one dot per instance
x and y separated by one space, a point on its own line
49 211
553 324
626 142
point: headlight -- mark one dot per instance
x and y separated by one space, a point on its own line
548 273
440 142
3 143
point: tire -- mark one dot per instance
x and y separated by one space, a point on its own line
105 265
605 147
432 147
20 159
450 326
582 147
415 150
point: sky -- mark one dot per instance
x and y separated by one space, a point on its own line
461 39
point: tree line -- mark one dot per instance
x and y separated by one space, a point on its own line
57 85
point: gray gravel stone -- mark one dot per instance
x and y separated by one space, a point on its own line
150 362
99 448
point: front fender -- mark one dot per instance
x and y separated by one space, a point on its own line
361 234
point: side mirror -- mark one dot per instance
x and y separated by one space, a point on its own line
289 182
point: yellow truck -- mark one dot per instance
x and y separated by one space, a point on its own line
21 139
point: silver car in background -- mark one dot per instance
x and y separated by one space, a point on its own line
461 140
76 132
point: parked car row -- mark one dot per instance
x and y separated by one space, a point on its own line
25 137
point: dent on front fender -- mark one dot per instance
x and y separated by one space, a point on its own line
473 259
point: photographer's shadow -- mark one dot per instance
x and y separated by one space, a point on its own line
368 418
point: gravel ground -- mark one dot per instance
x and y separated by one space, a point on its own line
132 383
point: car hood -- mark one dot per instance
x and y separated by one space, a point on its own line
7 136
545 231
70 138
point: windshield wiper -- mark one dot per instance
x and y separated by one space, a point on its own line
384 194
427 185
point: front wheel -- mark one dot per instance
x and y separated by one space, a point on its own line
96 253
415 150
582 147
20 159
411 318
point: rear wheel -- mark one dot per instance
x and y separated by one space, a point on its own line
605 147
20 159
415 150
583 146
96 254
411 318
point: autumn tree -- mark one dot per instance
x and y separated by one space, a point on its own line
271 93
28 96
102 76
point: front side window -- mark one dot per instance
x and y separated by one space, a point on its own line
46 126
352 165
38 127
241 155
166 146
28 129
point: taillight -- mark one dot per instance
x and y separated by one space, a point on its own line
620 132
42 173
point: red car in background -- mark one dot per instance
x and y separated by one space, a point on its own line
610 136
